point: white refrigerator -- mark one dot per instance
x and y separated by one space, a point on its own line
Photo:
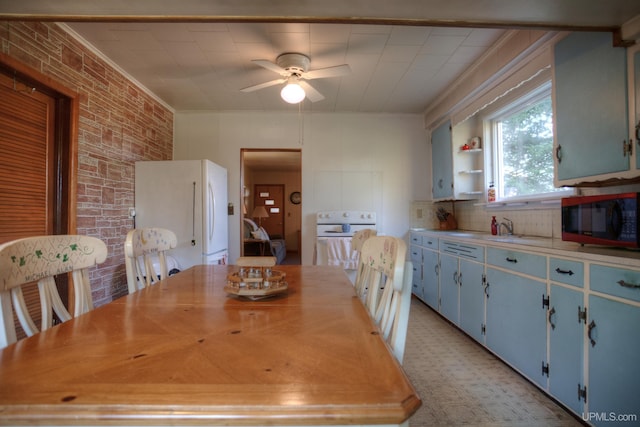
188 197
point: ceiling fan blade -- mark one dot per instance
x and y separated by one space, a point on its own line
263 85
321 73
311 92
271 66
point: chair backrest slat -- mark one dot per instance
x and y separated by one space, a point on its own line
40 259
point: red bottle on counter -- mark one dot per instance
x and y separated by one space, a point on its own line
494 226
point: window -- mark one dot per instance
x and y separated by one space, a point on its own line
521 136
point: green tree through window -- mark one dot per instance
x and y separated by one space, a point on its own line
525 149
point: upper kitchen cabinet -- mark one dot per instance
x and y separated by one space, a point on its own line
458 161
592 138
442 162
634 81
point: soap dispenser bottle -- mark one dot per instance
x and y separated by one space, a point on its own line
494 226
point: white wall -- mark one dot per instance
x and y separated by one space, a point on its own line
349 161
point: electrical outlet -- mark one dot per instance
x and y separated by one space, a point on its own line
132 212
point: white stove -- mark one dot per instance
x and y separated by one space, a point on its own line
333 242
330 223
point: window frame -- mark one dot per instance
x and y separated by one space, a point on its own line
493 161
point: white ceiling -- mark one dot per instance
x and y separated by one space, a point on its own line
197 55
395 69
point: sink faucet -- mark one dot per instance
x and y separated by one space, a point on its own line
508 224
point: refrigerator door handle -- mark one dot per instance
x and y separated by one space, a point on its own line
212 219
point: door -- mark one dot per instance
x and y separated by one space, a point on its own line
271 196
430 269
590 107
216 239
613 359
566 346
37 151
168 194
471 298
442 161
449 287
517 331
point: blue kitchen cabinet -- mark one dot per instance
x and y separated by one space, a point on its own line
415 253
471 281
614 371
635 94
449 287
516 322
430 277
614 343
462 263
590 108
566 346
442 161
567 321
416 281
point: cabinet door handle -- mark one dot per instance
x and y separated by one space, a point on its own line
455 277
591 327
551 313
513 260
486 289
559 153
440 183
559 271
628 285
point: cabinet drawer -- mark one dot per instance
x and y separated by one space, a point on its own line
615 281
430 242
521 262
416 254
416 239
566 271
462 250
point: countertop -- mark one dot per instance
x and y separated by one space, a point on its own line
548 246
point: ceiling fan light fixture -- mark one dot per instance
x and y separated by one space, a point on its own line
292 92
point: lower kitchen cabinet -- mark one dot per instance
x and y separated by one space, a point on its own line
614 367
566 346
449 287
516 323
569 324
430 277
471 281
416 281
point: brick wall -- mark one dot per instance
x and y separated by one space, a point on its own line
119 124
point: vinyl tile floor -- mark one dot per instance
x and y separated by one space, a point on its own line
462 384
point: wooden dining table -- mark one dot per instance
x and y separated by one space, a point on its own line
185 352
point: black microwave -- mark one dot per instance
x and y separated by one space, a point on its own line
606 219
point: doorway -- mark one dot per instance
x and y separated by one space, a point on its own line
38 147
276 172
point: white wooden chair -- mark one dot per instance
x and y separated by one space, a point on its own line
393 311
142 247
41 258
386 289
357 240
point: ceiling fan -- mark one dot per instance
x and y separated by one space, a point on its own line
294 69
